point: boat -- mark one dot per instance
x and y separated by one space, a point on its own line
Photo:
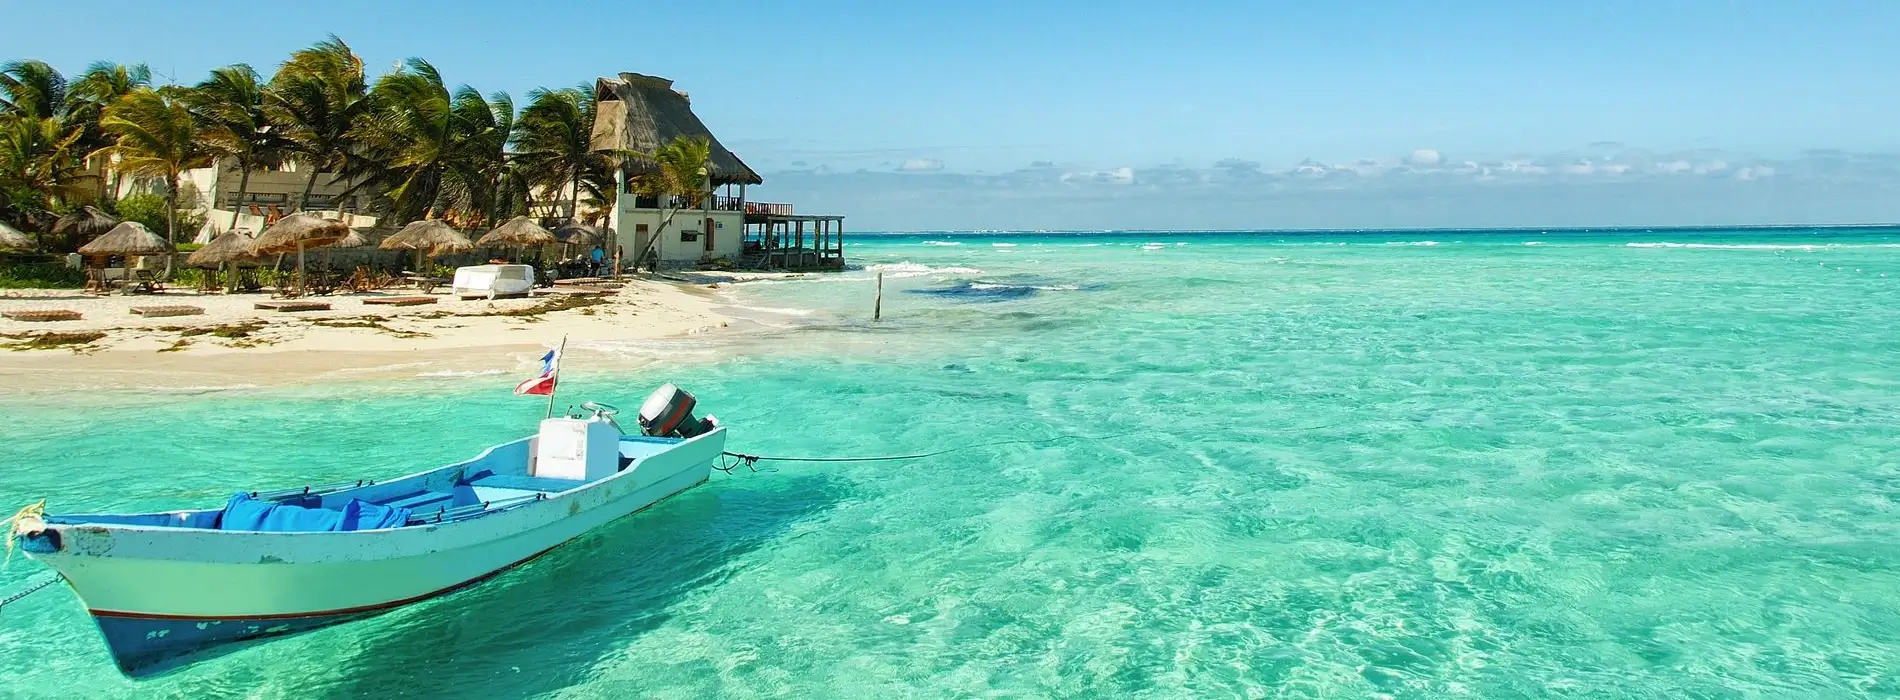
174 588
493 280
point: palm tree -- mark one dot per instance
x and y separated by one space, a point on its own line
40 146
678 181
480 177
229 107
41 164
315 99
158 138
99 87
32 89
412 139
553 140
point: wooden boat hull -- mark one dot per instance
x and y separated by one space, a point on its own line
167 596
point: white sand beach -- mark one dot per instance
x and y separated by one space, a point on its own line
233 342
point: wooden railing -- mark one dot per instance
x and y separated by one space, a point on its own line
768 208
716 203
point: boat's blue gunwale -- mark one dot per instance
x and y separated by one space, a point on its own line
81 520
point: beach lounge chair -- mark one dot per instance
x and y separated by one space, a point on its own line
39 315
170 310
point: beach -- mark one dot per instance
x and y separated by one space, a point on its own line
1400 464
233 342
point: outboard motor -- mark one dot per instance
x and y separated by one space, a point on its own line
669 413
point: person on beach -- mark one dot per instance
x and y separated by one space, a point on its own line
594 259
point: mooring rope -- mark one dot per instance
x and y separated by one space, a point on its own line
29 590
29 521
748 461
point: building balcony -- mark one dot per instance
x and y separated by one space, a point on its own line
716 203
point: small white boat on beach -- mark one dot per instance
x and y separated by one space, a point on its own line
493 280
172 588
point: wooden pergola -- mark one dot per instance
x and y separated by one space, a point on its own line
776 241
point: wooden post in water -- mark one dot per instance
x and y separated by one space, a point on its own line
877 302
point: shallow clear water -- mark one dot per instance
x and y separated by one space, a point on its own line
1330 465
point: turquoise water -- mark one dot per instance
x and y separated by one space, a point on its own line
1335 465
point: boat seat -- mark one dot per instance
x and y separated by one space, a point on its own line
419 501
524 483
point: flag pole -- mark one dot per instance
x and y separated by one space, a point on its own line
557 375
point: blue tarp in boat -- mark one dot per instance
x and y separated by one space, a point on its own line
249 514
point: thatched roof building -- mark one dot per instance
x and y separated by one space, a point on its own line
642 113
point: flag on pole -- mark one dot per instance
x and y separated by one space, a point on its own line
542 385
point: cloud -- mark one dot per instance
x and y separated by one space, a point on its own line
1589 187
1119 176
1425 157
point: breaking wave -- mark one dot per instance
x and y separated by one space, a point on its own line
1750 246
910 269
463 373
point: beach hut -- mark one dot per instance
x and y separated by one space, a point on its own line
300 232
428 236
640 113
230 248
130 239
82 225
520 232
12 239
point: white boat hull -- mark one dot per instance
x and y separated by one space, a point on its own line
162 595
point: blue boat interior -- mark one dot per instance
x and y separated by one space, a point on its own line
496 480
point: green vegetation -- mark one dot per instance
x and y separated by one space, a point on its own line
414 146
680 184
150 209
39 274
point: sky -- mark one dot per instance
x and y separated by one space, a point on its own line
1199 115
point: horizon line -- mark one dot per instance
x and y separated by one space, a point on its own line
1402 229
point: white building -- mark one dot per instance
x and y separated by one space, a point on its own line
641 113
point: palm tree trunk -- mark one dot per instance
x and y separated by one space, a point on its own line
309 184
574 200
171 219
653 244
244 186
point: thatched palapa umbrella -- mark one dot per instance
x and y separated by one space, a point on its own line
233 246
572 233
300 232
430 235
354 240
575 233
84 224
521 232
130 239
12 239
